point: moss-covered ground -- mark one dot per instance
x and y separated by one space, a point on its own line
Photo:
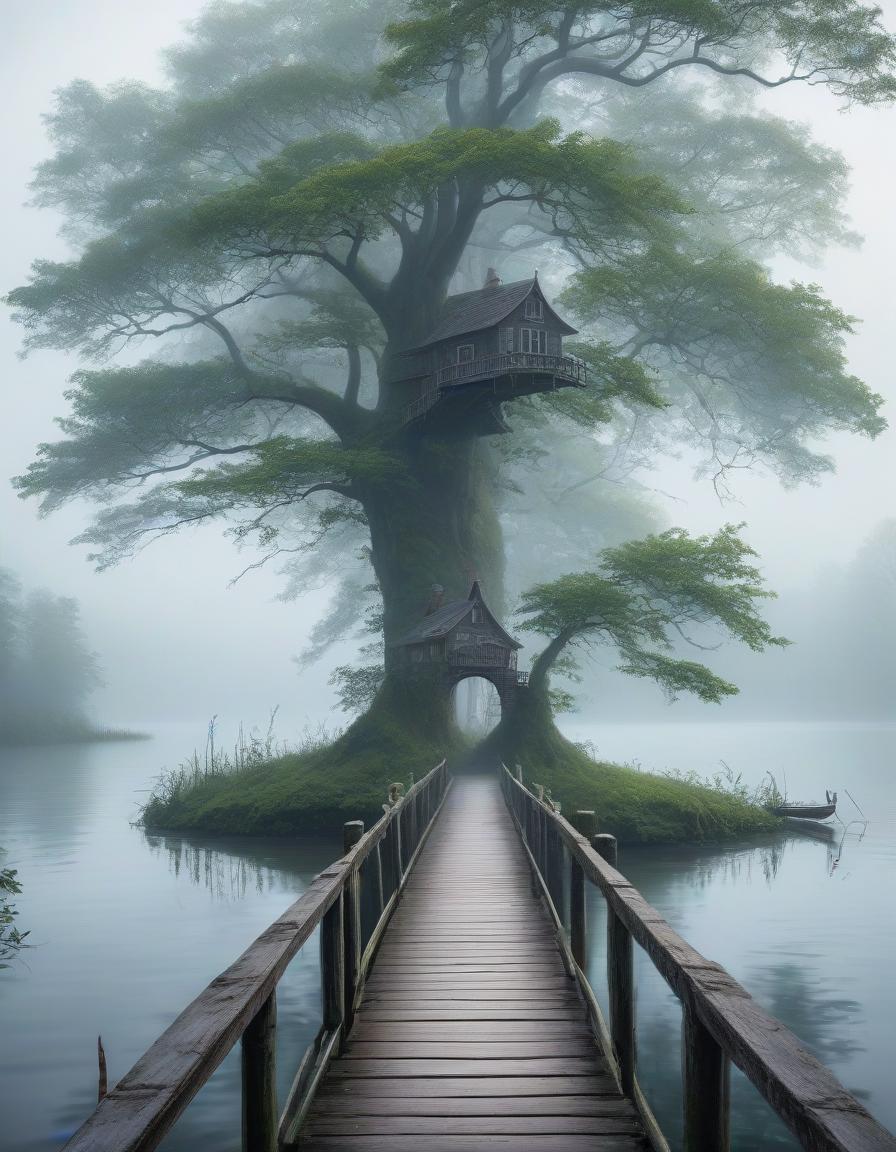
636 807
318 790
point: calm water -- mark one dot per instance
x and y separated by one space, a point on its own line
808 927
127 928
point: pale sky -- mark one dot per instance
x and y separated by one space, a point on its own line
174 637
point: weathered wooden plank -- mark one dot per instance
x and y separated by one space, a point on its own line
536 1066
470 1030
424 1011
451 1087
409 1049
447 1143
579 1105
339 1124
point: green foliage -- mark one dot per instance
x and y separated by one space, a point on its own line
751 354
47 671
316 788
357 685
837 42
643 594
284 221
635 806
11 938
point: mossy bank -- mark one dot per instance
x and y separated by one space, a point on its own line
317 791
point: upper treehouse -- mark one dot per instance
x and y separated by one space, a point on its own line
498 343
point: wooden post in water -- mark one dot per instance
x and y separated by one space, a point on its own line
584 823
707 1079
620 979
260 1080
332 966
352 831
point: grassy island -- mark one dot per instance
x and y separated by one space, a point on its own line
314 789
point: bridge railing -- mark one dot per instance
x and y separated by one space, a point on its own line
721 1022
352 901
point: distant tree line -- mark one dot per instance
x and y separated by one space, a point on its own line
47 670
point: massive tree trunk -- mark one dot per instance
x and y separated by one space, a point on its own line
440 528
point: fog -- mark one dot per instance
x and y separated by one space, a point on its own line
176 637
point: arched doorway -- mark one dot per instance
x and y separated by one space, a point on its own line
477 706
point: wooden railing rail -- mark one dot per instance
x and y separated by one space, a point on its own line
495 363
721 1021
352 901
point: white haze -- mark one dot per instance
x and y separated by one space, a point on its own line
176 640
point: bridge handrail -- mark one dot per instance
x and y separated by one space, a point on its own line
240 1002
722 1022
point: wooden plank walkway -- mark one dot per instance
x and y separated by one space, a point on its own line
471 1035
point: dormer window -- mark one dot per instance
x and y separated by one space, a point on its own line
477 615
533 309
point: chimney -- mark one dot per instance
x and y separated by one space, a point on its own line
492 279
435 599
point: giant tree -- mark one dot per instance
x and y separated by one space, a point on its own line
286 217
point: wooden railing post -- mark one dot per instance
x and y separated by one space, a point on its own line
707 1079
380 890
554 865
620 980
332 966
352 831
259 1052
583 821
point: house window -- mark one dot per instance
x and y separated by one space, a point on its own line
505 340
435 651
533 309
477 615
533 340
465 353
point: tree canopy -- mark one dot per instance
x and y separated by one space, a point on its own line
643 596
273 227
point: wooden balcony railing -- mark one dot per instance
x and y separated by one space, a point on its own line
352 901
567 368
722 1024
482 659
500 363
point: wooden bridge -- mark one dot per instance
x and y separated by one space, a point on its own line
457 1016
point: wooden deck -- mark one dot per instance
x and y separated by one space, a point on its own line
471 1035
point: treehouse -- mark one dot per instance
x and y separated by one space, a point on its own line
462 639
498 343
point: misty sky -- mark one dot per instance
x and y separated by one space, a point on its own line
175 639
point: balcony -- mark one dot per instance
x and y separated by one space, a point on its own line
568 368
522 374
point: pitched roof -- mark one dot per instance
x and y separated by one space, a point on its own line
439 623
473 311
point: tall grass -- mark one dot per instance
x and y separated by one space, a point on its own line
251 751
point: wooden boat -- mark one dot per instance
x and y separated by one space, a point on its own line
809 811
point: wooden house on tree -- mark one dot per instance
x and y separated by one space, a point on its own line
498 343
462 639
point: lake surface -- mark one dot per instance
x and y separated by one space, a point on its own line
808 927
127 928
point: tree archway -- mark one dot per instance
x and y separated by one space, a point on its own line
477 706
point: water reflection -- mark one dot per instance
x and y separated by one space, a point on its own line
234 870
